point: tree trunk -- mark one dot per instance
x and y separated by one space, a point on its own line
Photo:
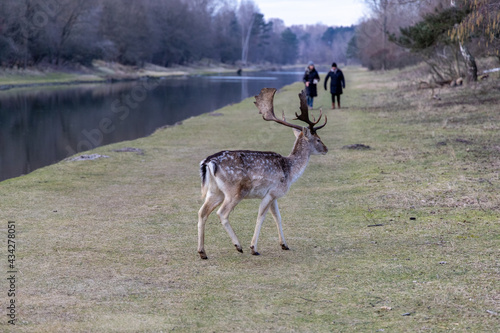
384 37
246 42
470 63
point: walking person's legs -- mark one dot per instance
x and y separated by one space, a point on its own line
333 101
310 101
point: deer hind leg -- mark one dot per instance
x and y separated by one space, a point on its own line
263 208
211 202
277 218
223 212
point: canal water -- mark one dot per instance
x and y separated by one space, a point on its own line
41 126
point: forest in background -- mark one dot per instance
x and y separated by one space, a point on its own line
446 34
162 32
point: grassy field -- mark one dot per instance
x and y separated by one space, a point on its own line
403 237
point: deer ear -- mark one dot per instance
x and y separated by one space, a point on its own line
296 132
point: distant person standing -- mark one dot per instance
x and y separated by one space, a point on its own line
336 84
311 79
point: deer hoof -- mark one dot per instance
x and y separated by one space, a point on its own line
238 248
203 255
255 253
284 247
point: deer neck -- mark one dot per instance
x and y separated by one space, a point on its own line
299 157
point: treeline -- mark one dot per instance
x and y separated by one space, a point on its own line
449 35
446 34
162 32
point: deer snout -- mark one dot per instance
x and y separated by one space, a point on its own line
320 150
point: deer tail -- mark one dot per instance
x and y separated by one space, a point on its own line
207 172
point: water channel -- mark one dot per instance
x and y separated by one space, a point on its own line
41 126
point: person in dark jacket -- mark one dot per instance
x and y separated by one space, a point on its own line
311 79
336 84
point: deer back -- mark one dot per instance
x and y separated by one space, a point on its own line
248 174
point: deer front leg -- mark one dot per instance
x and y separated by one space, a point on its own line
277 218
263 208
223 212
211 202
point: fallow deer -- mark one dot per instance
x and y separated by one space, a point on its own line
228 177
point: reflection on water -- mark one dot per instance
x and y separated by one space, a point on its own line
41 126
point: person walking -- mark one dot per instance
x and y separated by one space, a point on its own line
311 79
337 82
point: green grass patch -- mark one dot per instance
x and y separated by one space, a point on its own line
399 238
37 78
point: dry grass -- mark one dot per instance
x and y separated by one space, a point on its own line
110 245
101 71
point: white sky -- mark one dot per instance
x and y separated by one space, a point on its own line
329 12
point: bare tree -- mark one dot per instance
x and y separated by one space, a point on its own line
246 16
67 16
381 10
19 29
226 34
470 61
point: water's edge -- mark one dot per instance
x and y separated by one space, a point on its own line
40 127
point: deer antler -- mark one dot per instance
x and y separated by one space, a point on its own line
304 114
264 102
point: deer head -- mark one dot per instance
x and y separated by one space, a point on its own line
264 102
